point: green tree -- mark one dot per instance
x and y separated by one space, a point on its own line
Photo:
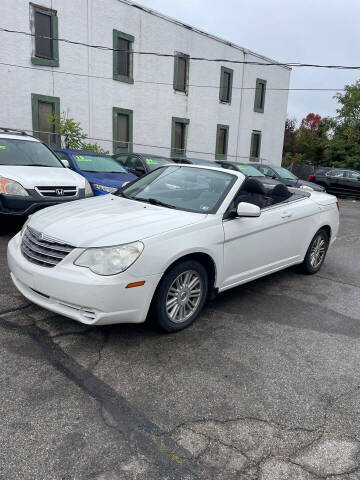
72 134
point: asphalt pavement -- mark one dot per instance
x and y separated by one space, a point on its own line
264 386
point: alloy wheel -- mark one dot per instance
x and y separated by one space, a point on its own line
318 251
184 296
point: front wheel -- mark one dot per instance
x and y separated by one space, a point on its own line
180 296
316 253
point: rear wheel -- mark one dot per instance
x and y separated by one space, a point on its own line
180 296
316 253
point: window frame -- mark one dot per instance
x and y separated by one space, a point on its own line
116 141
259 108
176 71
253 134
35 99
186 122
43 61
221 156
116 76
222 85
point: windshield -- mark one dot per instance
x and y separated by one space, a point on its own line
26 153
283 173
184 188
250 171
156 162
98 164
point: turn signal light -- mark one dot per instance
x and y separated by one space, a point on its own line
135 284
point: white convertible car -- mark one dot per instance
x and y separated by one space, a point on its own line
165 243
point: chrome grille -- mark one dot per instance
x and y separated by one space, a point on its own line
43 250
57 191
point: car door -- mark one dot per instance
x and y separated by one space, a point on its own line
257 246
352 182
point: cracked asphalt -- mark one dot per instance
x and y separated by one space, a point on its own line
265 385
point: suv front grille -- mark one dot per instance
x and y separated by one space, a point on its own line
57 191
43 250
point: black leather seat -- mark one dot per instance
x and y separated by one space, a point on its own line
280 193
253 191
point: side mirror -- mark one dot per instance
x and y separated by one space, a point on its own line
140 170
65 163
248 210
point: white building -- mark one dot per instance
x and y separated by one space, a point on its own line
144 103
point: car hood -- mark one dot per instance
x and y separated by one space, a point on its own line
30 177
315 187
267 181
109 179
108 220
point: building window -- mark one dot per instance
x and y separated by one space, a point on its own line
122 130
222 139
181 72
45 29
179 133
260 92
226 82
42 108
255 146
123 57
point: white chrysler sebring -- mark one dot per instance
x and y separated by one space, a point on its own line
165 243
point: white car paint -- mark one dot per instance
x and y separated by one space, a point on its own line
242 249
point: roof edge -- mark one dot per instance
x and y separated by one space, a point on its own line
201 32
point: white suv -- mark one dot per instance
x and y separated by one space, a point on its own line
32 177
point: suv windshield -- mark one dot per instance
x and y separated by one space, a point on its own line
184 188
27 153
283 173
250 171
98 164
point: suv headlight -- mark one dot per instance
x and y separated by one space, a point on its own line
104 188
88 189
110 260
10 187
306 187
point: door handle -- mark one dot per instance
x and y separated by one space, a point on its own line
286 215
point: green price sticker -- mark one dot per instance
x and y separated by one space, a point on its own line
150 161
240 167
81 158
2 147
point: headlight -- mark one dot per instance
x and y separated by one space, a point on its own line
110 260
104 188
306 187
88 189
10 187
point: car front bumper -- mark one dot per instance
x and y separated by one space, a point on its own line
77 293
22 206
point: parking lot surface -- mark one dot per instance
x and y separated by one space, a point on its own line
265 385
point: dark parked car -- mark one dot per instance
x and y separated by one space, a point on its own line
140 163
339 181
286 177
248 170
194 161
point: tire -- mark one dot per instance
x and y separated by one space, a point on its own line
185 303
313 261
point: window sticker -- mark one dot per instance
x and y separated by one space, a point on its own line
2 147
81 158
241 167
151 161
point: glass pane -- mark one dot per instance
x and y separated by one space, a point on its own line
181 80
222 141
43 46
255 150
179 136
97 163
226 86
26 153
262 95
124 57
123 131
44 110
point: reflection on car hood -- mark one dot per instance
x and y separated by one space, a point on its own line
109 179
309 184
108 220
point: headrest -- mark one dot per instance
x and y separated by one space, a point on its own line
281 190
251 185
